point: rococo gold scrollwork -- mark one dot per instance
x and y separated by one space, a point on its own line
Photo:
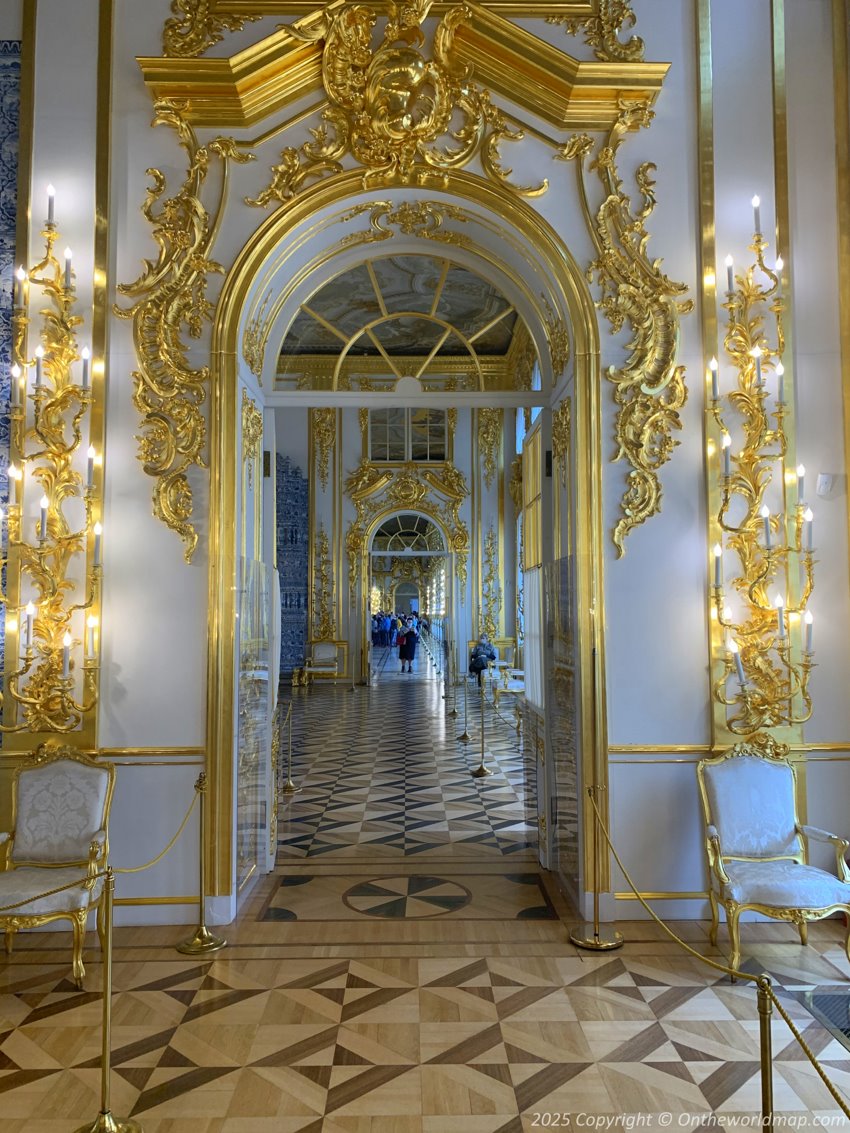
649 387
252 435
323 590
489 440
423 219
194 28
394 109
323 425
561 424
170 300
491 593
602 31
254 340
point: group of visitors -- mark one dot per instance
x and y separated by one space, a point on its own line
396 629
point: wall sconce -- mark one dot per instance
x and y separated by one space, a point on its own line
763 517
54 555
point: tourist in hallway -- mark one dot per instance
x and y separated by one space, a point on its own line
408 636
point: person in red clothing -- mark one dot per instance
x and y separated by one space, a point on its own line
407 638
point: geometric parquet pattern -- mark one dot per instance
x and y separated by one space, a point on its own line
475 1018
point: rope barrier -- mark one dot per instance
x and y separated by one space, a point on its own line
87 880
162 853
735 973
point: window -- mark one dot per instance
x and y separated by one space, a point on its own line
407 434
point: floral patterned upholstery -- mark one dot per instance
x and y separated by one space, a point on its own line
19 884
60 807
783 885
752 803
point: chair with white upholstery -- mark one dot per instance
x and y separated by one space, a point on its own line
60 810
757 847
322 661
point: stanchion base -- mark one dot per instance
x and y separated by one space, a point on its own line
480 772
603 939
289 788
106 1123
464 738
201 943
453 713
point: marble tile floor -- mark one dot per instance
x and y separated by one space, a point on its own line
370 990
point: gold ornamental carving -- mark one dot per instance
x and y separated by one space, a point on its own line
559 342
195 27
561 425
252 435
603 29
323 426
324 628
491 594
489 441
170 301
254 340
649 388
423 219
515 483
402 115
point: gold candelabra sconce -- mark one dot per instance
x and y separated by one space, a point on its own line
53 558
762 646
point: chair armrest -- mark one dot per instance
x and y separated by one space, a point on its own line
841 847
715 856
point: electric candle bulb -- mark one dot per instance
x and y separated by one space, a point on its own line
780 264
808 618
66 656
44 504
779 603
765 514
15 386
68 255
715 386
736 655
39 359
780 373
91 622
85 355
756 202
51 201
756 353
808 516
20 277
90 467
730 273
718 551
801 483
98 532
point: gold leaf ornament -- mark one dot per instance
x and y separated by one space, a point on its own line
194 28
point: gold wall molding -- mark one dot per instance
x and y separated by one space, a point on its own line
196 26
252 436
602 31
841 80
649 388
561 426
322 621
423 219
170 301
323 432
491 594
255 337
490 425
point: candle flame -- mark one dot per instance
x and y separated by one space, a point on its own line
66 641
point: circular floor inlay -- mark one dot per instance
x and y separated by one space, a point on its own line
407 897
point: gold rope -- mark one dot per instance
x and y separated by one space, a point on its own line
84 880
161 855
735 973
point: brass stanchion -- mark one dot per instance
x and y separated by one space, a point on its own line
464 736
765 1005
289 787
595 937
202 940
482 769
452 682
106 1122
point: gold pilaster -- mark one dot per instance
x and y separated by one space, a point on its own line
841 81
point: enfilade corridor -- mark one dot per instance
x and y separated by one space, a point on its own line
407 968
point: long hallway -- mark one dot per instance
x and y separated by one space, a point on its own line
406 969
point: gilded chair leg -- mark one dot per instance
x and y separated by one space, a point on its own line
734 937
10 936
79 922
804 932
715 918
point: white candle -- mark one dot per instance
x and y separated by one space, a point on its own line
98 532
808 618
718 552
777 268
715 385
809 516
780 395
66 656
86 354
39 358
765 514
756 353
756 213
727 456
15 386
44 504
67 269
91 622
779 602
801 483
90 467
51 201
730 273
30 611
736 655
20 277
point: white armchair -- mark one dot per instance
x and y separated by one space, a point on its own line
60 810
757 847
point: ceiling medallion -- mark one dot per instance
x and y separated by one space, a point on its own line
407 118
